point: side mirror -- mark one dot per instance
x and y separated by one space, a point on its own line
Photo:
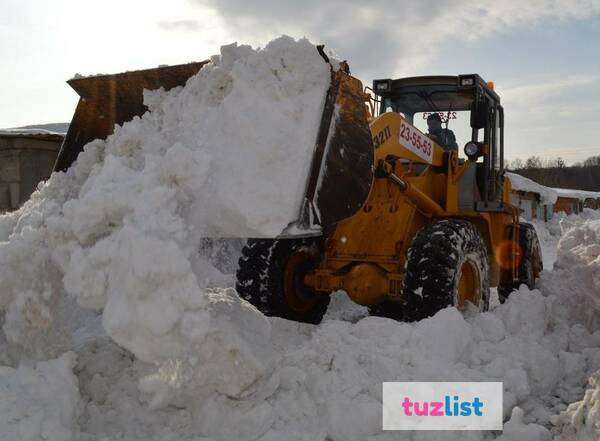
480 111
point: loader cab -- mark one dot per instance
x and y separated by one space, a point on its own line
469 107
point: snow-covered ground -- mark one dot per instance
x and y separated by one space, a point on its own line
115 327
305 382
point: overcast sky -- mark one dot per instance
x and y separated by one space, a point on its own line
544 56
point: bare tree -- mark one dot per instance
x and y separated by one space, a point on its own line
554 163
515 164
533 162
592 161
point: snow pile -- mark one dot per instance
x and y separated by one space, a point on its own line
324 382
39 403
121 230
581 420
576 275
521 183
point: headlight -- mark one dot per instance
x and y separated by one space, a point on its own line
474 150
467 81
382 86
471 149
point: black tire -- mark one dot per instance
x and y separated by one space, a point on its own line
261 277
530 266
436 258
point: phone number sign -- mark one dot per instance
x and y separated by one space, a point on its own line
415 141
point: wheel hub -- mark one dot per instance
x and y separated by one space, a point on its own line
298 296
469 285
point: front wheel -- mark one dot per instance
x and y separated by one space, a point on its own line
271 277
447 265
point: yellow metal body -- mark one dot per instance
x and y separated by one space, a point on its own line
366 253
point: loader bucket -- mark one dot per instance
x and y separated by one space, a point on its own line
342 168
341 171
106 100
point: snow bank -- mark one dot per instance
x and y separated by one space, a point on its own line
324 382
521 183
576 276
39 403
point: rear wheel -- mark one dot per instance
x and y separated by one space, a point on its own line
447 265
271 277
530 265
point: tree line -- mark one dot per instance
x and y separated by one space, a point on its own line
558 162
554 172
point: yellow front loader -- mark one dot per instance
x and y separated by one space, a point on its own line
398 219
437 229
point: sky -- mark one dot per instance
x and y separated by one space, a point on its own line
543 56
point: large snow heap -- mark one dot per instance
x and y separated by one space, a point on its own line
226 155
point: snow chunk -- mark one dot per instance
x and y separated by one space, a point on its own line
341 307
516 430
39 403
581 420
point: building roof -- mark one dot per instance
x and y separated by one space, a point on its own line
521 183
42 134
582 195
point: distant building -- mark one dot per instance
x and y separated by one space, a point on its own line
568 204
535 201
591 202
574 201
27 156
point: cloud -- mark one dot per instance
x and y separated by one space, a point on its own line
553 116
389 37
179 25
569 101
395 38
549 88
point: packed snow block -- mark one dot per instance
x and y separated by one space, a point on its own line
224 348
39 403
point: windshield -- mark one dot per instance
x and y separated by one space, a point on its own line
452 106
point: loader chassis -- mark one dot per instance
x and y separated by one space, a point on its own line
373 244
